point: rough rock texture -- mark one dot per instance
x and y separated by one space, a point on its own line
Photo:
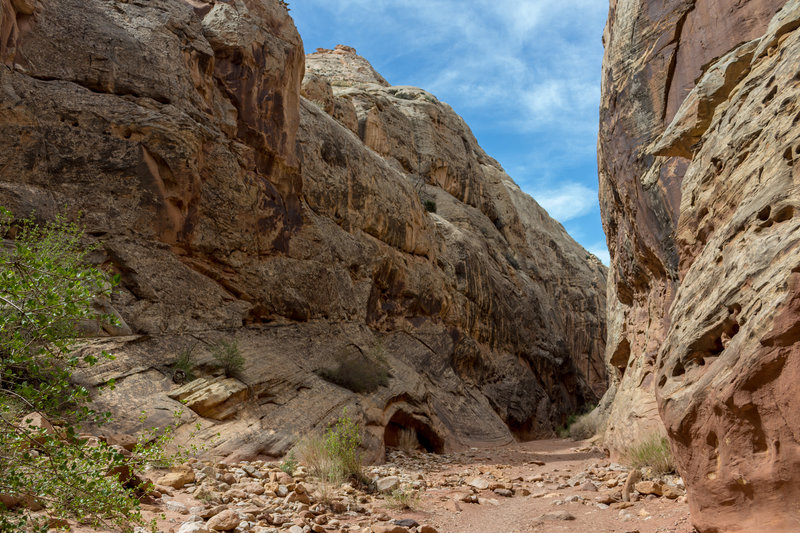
217 398
234 209
699 166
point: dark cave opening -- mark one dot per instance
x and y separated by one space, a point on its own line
402 422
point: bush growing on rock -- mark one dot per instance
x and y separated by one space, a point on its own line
183 366
227 355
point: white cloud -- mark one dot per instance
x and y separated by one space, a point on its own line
534 60
571 200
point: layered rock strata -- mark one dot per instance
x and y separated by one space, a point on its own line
699 167
236 210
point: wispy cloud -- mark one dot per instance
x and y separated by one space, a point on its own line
569 201
534 60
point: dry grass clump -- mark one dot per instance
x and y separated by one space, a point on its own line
580 425
584 427
402 499
407 440
334 456
312 453
652 452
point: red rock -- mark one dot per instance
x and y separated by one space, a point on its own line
697 168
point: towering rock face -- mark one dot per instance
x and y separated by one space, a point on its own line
699 166
235 209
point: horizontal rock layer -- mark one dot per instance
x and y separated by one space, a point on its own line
236 210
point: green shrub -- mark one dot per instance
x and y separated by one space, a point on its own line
584 427
341 442
46 290
429 205
289 463
184 364
652 452
227 354
311 452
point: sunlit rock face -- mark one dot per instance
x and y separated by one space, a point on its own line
234 208
699 166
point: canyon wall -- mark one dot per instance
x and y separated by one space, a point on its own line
699 156
319 224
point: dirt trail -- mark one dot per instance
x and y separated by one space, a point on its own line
563 461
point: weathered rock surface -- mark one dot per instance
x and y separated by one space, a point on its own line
217 398
233 208
699 165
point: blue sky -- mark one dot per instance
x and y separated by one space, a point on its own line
524 74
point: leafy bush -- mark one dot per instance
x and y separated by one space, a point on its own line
652 452
45 291
429 205
227 354
334 457
341 442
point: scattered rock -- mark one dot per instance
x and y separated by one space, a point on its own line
176 507
389 529
224 521
387 484
193 527
179 477
649 487
478 483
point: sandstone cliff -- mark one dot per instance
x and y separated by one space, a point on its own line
235 209
699 166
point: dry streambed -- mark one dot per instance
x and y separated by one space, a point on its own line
550 485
